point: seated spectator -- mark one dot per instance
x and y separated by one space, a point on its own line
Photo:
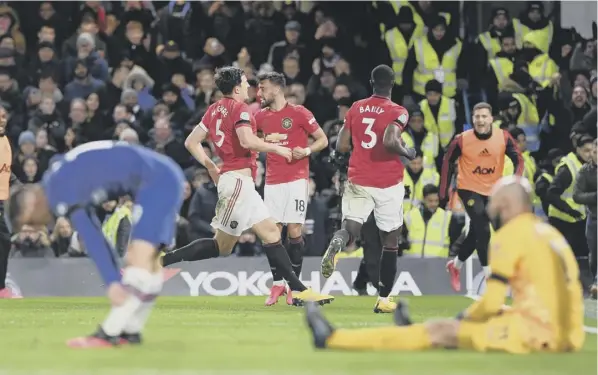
9 90
173 98
49 118
163 140
129 135
88 25
83 83
45 60
114 87
96 65
215 55
30 170
10 25
31 242
61 237
202 206
289 46
142 83
171 62
98 121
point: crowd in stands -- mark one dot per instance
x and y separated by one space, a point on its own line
143 72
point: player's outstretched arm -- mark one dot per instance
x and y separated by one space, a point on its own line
193 144
394 144
251 142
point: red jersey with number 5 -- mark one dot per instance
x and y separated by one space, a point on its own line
290 128
221 121
370 163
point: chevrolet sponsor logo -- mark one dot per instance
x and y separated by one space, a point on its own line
276 137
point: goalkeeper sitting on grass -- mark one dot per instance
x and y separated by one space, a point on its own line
527 255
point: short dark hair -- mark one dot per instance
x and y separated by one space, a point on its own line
382 78
430 189
585 138
274 78
482 105
228 78
516 132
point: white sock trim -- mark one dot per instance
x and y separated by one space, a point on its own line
457 263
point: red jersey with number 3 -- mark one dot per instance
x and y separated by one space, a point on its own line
221 121
370 163
289 127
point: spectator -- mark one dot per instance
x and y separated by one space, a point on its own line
129 135
9 91
142 83
48 118
291 69
289 46
30 170
31 242
172 96
172 62
97 123
164 141
202 207
184 23
88 26
205 87
45 60
264 28
344 76
10 25
319 95
96 65
61 237
215 55
83 83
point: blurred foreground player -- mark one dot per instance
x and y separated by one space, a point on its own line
527 255
286 188
231 127
480 155
7 180
83 179
375 179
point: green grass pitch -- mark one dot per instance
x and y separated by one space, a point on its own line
238 335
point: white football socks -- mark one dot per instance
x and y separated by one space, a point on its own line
141 316
119 316
487 271
278 283
457 263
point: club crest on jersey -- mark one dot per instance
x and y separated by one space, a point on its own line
287 123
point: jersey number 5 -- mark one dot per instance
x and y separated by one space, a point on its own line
219 134
368 131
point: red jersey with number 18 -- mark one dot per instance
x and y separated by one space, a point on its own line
221 121
290 128
370 163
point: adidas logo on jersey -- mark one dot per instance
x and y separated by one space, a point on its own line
484 152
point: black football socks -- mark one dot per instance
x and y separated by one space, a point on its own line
295 249
388 270
279 258
204 248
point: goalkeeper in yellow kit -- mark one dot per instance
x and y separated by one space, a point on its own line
527 255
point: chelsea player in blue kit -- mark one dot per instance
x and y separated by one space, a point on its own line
74 186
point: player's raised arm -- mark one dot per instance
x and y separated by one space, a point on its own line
251 142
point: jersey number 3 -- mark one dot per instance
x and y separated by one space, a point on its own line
368 131
219 134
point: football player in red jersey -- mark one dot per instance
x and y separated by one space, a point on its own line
286 188
373 125
231 127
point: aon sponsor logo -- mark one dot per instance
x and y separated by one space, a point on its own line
484 171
